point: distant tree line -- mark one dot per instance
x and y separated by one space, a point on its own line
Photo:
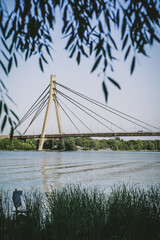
73 144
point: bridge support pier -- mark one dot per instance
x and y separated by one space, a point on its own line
52 96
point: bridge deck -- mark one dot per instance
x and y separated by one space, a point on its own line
66 135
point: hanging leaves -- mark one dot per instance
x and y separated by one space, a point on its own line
100 27
114 82
3 123
125 42
2 83
41 65
15 59
78 57
10 64
123 27
96 63
1 106
4 69
105 91
13 113
5 108
112 40
127 52
133 64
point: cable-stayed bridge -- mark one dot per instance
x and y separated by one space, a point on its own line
53 93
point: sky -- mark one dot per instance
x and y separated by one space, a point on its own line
139 95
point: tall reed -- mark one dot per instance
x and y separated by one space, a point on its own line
75 212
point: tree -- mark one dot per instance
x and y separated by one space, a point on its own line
87 26
70 144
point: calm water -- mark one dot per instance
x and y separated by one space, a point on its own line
23 170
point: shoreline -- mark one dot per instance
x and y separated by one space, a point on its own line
78 150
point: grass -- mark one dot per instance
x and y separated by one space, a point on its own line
74 212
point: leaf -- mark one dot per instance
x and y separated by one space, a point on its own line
114 82
5 55
3 123
3 85
41 65
105 65
107 15
125 42
73 51
11 47
117 18
108 24
10 32
78 57
65 13
47 49
64 26
100 27
40 47
14 115
96 63
1 15
10 121
91 48
44 59
109 51
10 64
127 52
5 108
11 133
10 99
15 59
105 91
1 106
82 50
6 25
123 28
68 28
71 39
112 40
3 67
133 64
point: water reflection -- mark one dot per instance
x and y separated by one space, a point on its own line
44 174
50 172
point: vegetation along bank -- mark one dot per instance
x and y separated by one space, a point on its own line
73 144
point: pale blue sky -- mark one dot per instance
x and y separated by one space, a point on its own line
139 96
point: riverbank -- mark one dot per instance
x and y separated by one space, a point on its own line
74 212
82 144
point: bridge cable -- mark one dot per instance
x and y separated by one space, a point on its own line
73 102
43 105
76 116
32 108
39 110
32 111
101 117
68 116
107 108
29 113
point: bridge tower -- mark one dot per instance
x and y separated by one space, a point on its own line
52 96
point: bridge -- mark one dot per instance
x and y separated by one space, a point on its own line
73 135
52 93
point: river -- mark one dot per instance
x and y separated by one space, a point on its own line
103 169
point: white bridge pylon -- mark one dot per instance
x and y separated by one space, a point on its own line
52 96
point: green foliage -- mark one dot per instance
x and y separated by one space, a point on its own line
75 212
15 144
85 143
70 144
88 26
